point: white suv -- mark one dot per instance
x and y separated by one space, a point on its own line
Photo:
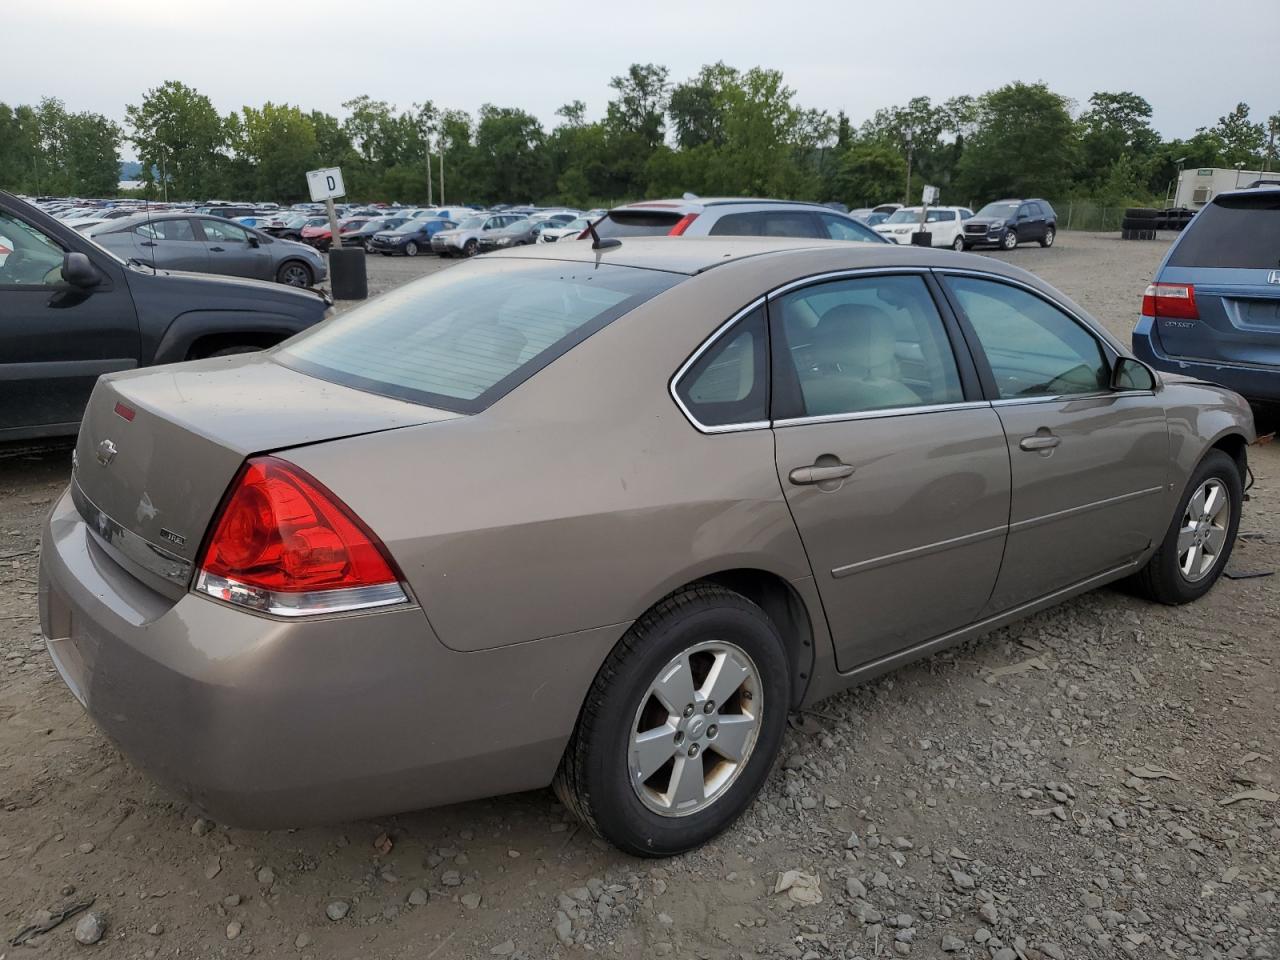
464 241
944 224
732 217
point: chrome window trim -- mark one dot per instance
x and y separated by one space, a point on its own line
886 412
116 537
674 384
841 274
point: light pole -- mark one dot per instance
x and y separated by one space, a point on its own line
1239 166
907 199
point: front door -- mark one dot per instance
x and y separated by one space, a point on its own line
897 475
1089 463
55 339
233 251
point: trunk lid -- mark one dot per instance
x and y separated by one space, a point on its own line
159 447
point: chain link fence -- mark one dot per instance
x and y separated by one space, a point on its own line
1085 214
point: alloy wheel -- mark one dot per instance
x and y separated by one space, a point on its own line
695 728
1048 237
958 243
1010 239
1203 534
295 275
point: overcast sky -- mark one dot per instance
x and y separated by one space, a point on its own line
538 54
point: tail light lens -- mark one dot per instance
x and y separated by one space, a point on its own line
1177 301
682 224
283 544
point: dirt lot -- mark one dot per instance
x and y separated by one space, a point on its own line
1060 789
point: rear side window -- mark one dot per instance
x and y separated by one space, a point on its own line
728 383
767 223
463 338
637 223
846 228
1236 231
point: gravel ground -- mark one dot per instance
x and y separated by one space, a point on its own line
1068 787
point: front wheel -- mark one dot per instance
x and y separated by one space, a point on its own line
1010 240
294 274
958 243
1047 239
471 248
410 249
681 725
1196 547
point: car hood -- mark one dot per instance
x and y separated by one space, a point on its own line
302 249
987 221
218 292
392 235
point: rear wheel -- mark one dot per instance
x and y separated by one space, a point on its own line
1010 240
681 725
1048 238
294 273
410 249
958 243
1198 543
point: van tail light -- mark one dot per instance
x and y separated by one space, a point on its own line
1177 301
681 225
282 544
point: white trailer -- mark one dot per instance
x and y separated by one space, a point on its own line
1197 186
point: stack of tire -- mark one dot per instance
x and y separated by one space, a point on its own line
1174 218
1139 223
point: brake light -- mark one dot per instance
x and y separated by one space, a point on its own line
283 544
1177 301
682 224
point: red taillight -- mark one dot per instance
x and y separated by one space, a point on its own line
682 224
1177 301
283 544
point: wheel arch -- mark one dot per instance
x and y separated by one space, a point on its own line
1236 446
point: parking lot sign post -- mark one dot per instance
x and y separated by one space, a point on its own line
346 266
922 237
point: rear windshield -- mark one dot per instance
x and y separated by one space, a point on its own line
1234 231
461 339
637 223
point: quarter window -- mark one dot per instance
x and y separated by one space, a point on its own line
859 345
728 383
1034 349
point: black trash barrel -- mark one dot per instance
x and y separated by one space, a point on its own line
347 273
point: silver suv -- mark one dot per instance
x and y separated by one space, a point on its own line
732 217
465 240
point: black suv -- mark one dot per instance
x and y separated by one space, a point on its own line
1007 223
71 310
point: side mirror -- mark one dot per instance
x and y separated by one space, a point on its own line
1131 374
254 241
79 271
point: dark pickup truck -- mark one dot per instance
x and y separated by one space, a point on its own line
71 311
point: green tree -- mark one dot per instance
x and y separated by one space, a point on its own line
1023 145
870 173
508 155
1116 125
1242 140
179 134
279 142
92 153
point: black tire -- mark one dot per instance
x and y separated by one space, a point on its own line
594 779
1162 579
471 247
958 244
411 249
385 253
1050 234
1010 240
295 273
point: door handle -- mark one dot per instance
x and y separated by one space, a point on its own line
146 243
217 249
1039 442
820 473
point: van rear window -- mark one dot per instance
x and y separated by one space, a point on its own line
636 223
461 339
1241 231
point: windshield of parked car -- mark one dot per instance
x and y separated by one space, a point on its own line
999 211
580 224
472 223
462 338
1241 231
410 226
904 216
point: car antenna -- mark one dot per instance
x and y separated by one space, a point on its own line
601 244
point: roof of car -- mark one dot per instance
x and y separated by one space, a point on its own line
678 202
693 255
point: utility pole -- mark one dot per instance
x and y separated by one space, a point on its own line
442 178
907 199
429 203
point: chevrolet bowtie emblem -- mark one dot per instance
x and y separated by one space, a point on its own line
106 452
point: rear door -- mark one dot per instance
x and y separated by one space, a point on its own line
55 339
895 471
1230 256
231 252
1089 464
1030 222
171 245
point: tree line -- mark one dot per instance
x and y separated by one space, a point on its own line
724 131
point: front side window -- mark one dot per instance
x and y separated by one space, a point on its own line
728 383
27 256
860 345
165 230
1034 349
461 339
224 232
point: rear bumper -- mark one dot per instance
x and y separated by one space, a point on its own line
265 723
1253 382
